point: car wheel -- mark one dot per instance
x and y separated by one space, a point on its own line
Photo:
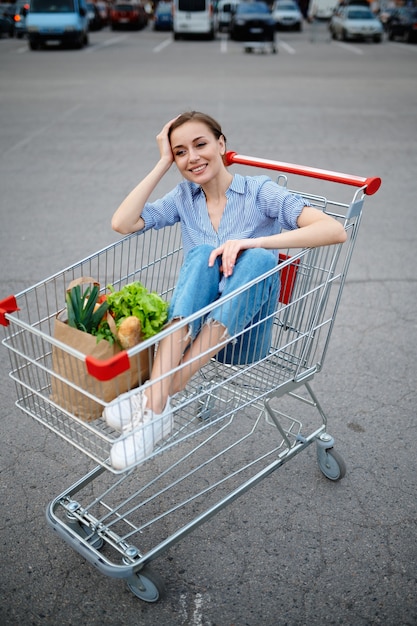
345 36
377 38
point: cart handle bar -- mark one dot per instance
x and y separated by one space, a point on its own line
371 184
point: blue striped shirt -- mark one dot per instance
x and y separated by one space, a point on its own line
256 207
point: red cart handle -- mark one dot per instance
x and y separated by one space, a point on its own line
371 184
108 369
8 305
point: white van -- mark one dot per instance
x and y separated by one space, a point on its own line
322 9
193 17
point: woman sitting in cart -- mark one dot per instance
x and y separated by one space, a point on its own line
232 228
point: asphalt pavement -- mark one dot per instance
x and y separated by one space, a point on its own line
77 132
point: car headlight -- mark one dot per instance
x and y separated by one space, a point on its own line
33 29
69 29
240 22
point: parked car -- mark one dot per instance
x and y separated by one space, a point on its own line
6 21
403 24
162 18
287 15
17 13
125 15
252 21
385 14
104 11
355 22
62 22
94 17
22 9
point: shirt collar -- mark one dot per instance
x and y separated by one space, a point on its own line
237 185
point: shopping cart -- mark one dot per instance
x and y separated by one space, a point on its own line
234 424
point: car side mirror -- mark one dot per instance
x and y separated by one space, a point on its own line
83 12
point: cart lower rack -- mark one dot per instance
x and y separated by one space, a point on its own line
238 419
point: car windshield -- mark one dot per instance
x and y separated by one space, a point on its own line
360 14
285 7
52 6
192 6
409 13
252 7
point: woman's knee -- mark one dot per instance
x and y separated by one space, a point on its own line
258 260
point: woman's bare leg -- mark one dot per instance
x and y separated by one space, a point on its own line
170 354
168 357
205 344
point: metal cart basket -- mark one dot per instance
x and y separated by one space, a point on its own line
235 423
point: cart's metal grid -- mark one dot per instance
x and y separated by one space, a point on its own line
225 416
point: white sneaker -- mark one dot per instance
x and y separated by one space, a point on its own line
120 413
150 429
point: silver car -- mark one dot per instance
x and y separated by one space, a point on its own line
287 15
355 22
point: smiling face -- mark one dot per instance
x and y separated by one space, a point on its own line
197 152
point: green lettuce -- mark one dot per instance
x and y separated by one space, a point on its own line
135 299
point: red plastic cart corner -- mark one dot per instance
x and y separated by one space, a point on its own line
108 369
8 305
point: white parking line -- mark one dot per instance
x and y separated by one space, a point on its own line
286 47
162 45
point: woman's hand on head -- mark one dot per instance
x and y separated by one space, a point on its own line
163 142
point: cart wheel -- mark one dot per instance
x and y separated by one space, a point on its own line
146 585
331 463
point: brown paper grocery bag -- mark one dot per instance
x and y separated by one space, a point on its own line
75 371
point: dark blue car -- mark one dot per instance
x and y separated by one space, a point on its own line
402 24
163 16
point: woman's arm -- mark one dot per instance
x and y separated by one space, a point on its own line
127 218
315 228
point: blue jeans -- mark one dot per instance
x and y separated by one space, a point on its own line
198 286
